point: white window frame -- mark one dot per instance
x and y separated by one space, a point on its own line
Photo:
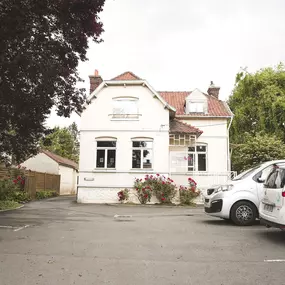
195 156
196 107
123 115
142 149
106 152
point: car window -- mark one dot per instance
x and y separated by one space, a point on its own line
246 173
263 174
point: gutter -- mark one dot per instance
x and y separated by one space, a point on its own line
229 155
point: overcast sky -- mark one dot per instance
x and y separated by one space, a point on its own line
184 44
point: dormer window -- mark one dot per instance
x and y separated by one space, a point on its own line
196 102
196 107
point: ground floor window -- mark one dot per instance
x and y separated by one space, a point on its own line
106 154
142 156
197 158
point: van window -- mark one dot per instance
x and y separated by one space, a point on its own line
276 179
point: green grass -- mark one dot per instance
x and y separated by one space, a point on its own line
8 205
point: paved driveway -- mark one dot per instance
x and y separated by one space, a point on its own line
59 242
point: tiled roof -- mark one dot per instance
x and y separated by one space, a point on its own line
216 108
178 127
127 76
61 160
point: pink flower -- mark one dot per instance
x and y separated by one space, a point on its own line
157 174
162 199
145 195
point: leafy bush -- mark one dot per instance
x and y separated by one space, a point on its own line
6 205
46 194
123 195
144 192
188 194
7 187
20 196
163 188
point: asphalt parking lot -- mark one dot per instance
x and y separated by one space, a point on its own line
60 242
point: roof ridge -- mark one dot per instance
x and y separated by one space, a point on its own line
174 91
126 72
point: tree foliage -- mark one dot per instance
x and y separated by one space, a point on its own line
63 141
257 149
42 43
258 129
258 103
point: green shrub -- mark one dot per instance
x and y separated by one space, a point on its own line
7 187
188 194
45 194
7 205
20 196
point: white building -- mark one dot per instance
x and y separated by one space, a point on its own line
48 162
128 129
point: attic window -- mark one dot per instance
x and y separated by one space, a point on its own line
125 107
196 107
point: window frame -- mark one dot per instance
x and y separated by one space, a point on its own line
106 150
125 116
195 154
141 152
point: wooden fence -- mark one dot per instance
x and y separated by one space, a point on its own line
35 181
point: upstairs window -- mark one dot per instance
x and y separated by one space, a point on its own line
106 154
125 108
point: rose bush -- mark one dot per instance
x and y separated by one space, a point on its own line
143 191
123 195
188 194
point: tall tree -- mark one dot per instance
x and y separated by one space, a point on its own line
258 129
258 102
42 43
63 141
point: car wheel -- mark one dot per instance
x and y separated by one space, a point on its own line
243 213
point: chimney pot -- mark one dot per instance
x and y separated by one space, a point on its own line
214 90
95 81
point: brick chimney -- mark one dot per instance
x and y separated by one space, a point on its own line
95 81
213 90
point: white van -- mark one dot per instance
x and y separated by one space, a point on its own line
239 199
272 206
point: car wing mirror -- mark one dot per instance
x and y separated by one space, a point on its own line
261 180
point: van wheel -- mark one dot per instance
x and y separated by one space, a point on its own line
243 213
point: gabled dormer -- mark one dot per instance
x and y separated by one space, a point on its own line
196 102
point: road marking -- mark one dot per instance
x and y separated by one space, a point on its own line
21 228
7 227
274 260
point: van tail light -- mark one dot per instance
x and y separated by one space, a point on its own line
283 194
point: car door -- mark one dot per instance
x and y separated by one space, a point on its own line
260 178
274 187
